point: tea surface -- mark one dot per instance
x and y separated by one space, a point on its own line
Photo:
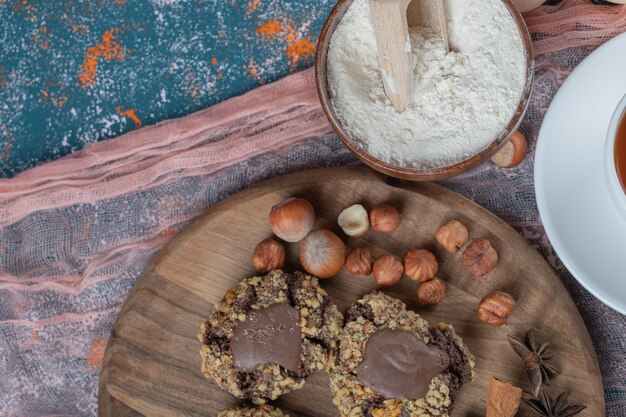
620 152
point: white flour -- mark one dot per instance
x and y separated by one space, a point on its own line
460 101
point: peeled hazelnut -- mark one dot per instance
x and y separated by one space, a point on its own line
452 236
513 152
431 292
388 270
420 265
322 253
495 308
480 257
359 261
354 221
292 219
268 255
384 218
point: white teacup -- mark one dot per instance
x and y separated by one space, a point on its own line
618 194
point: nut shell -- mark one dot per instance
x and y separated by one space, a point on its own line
432 292
513 152
388 270
268 255
420 265
480 257
452 236
292 219
359 261
354 221
384 218
322 253
495 308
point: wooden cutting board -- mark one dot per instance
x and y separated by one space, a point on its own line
152 365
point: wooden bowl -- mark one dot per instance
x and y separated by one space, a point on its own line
407 173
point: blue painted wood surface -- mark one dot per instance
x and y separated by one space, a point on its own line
74 72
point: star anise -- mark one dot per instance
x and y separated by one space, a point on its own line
546 406
535 360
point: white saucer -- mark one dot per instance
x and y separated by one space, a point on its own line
580 218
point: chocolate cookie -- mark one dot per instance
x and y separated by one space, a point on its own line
268 335
391 362
252 411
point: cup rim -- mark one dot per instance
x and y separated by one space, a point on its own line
417 174
616 190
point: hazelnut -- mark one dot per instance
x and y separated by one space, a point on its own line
268 255
354 221
322 253
480 257
420 265
384 218
512 152
388 270
452 236
292 219
359 261
431 292
495 308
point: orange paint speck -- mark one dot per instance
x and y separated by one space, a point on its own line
96 354
130 113
59 102
300 49
19 5
34 335
219 74
108 49
270 28
253 5
214 61
255 71
80 28
120 1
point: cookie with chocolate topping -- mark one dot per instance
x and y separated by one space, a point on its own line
268 334
392 362
252 411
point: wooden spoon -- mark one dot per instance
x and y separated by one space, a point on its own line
394 49
391 21
430 14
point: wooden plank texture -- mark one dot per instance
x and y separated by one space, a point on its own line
152 365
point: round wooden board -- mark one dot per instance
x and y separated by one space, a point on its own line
152 365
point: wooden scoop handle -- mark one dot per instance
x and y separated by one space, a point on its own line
394 49
430 14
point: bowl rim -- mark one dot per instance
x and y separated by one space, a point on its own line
616 190
416 174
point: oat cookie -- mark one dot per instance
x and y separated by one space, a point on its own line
378 312
252 411
244 375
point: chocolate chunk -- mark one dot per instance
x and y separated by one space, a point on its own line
460 370
399 365
360 310
268 335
